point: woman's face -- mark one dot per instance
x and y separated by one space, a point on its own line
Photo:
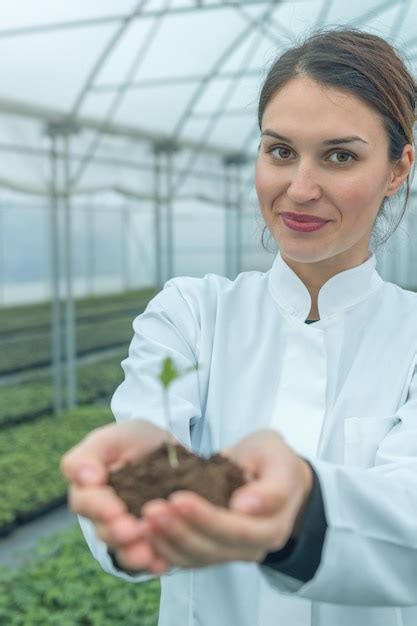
324 154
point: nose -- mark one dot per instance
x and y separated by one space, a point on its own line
304 185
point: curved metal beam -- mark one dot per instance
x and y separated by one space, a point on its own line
109 19
268 29
17 108
103 57
212 74
166 80
399 20
118 97
324 12
371 13
198 92
215 116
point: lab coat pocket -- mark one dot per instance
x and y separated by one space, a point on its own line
363 436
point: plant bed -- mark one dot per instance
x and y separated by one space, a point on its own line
32 483
36 316
31 399
10 422
59 583
7 529
22 517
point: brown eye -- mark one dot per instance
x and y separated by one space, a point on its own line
283 152
346 157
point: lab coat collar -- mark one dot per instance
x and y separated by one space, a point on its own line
340 292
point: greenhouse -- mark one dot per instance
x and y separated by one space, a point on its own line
129 137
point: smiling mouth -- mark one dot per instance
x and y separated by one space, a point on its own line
302 217
303 226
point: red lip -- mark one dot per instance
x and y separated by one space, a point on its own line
303 217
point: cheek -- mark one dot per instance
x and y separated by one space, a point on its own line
267 183
359 198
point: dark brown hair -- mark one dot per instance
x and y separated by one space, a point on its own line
364 65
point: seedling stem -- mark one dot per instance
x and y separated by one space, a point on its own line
168 374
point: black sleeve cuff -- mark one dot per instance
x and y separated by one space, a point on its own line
301 556
116 564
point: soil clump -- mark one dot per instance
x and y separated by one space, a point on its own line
215 478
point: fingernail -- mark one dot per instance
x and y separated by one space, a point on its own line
248 504
87 475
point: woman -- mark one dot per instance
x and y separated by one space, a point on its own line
336 116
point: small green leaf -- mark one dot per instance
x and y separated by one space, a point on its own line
168 372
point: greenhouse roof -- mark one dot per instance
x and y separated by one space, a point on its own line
178 71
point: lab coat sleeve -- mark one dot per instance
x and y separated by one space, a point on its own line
168 327
369 555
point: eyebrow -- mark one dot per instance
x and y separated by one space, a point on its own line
328 142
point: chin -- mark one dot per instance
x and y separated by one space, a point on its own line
301 254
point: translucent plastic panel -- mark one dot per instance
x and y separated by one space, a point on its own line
213 94
230 131
21 13
173 51
156 109
50 68
358 10
119 61
24 132
245 96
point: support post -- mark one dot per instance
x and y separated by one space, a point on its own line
70 334
164 216
233 222
54 230
157 218
2 259
62 131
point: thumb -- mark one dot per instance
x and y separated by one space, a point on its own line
85 463
108 448
258 497
82 472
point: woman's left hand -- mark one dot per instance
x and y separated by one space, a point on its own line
188 531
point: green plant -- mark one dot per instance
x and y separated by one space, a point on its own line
168 374
59 583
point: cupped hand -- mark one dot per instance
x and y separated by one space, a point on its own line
86 466
188 531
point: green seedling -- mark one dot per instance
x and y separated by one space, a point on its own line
168 374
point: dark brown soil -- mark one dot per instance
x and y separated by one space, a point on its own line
215 478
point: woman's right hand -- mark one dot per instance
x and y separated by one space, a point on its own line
86 467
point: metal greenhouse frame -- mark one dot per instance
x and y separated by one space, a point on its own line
257 21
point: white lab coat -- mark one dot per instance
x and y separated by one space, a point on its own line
343 391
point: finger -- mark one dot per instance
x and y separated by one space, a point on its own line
109 447
122 530
184 546
138 555
260 497
99 504
227 526
86 462
182 543
261 452
248 472
169 553
141 556
159 566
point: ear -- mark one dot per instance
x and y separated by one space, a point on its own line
400 170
